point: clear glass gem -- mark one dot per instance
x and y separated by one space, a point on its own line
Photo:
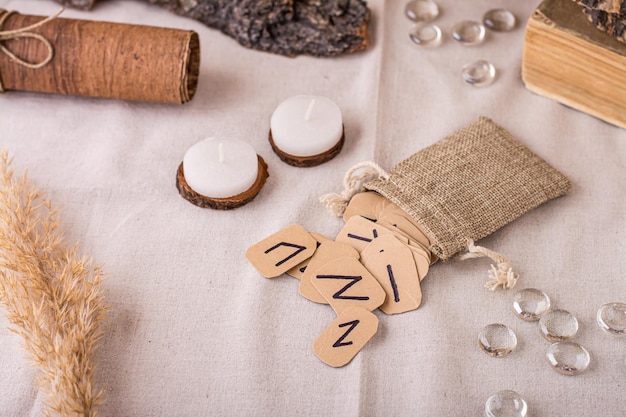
421 10
497 340
530 304
558 325
479 74
612 318
568 358
468 33
428 36
500 20
506 403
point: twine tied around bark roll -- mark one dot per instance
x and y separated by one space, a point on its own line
22 33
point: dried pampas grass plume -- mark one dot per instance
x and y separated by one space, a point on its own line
52 297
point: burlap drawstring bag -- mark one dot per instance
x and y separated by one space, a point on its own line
461 189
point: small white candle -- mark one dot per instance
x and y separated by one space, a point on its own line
306 125
220 168
309 110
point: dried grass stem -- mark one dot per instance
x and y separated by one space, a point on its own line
52 296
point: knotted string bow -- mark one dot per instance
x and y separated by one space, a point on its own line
22 33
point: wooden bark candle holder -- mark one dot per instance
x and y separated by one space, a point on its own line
98 59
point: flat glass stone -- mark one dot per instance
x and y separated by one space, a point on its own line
479 74
428 36
421 10
568 358
506 403
468 33
612 318
497 340
500 20
558 325
530 304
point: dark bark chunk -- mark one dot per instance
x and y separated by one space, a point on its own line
607 22
610 6
285 27
78 4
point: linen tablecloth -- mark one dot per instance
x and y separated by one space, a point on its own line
195 330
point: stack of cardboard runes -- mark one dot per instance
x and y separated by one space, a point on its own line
376 261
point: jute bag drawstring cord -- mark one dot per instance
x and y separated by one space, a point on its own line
500 274
353 184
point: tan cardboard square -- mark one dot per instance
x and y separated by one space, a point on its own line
326 252
423 258
298 270
281 251
345 336
392 264
345 282
419 248
403 222
358 232
383 205
367 204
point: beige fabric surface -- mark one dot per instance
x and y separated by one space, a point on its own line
470 184
194 330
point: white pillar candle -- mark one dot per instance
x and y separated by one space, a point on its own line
306 125
220 168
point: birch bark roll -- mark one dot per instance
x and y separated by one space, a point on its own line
101 59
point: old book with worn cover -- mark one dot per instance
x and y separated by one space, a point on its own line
567 59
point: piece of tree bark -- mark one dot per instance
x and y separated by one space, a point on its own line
142 63
610 23
285 27
607 15
609 6
78 4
